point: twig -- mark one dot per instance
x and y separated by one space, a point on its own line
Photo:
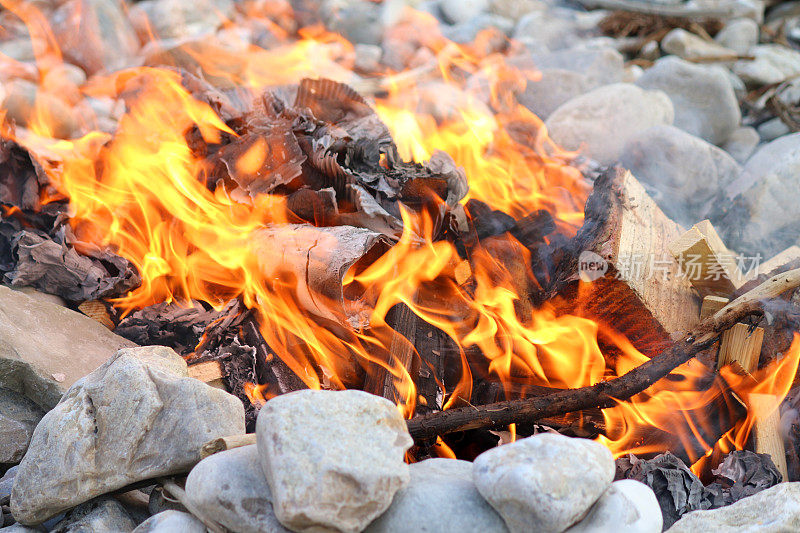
606 393
179 494
665 10
226 443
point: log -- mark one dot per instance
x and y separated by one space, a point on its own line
706 261
606 393
381 380
226 443
641 295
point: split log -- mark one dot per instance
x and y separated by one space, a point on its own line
768 437
641 294
741 344
209 372
706 261
606 393
227 443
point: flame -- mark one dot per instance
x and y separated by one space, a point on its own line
144 192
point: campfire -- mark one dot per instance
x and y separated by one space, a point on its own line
305 266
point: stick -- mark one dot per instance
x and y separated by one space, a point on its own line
227 443
606 393
180 495
665 10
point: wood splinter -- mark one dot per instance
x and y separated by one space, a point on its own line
226 443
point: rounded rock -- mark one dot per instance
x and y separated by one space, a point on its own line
543 483
704 101
440 497
627 506
602 121
332 459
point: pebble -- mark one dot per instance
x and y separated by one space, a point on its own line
6 482
440 497
358 20
602 121
627 506
178 19
689 46
516 9
773 63
18 419
704 101
231 487
776 509
772 129
104 515
556 28
742 143
139 416
461 11
554 87
171 522
739 35
95 34
22 96
543 483
333 459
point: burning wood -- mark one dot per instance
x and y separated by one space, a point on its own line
623 248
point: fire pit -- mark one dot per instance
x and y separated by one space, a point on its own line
396 266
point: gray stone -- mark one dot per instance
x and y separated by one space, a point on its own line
553 88
18 419
460 11
681 172
171 522
543 483
360 21
6 482
739 35
95 34
627 506
176 19
230 487
440 497
22 96
600 66
773 63
774 510
704 101
556 29
742 143
466 32
516 9
689 46
769 186
45 348
104 515
772 129
19 528
602 121
333 459
137 417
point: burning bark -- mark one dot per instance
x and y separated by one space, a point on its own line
318 260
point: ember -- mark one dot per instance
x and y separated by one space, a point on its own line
336 236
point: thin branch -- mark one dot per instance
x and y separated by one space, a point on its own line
606 393
179 494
